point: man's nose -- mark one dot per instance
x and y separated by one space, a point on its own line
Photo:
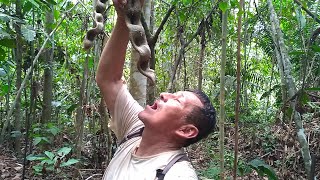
165 96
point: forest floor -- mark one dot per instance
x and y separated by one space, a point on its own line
277 146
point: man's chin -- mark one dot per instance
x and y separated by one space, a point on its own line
141 115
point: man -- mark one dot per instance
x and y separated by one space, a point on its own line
174 120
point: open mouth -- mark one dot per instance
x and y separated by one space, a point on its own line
154 106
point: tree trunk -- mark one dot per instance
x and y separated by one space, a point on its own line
283 59
222 90
47 87
200 62
138 82
237 107
80 113
18 57
149 14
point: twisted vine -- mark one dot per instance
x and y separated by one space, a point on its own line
100 8
137 34
138 38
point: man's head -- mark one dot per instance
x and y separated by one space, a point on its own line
204 118
184 116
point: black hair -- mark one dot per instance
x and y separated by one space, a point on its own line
204 118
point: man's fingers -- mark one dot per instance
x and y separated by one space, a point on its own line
119 3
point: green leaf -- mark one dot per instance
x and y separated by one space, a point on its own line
223 6
2 72
5 17
56 14
47 161
4 89
38 168
27 7
71 108
54 130
6 2
90 63
32 157
34 3
316 48
10 43
304 98
4 34
28 34
298 52
2 54
263 169
38 140
313 89
300 17
49 154
48 2
56 104
185 2
16 134
267 93
64 151
69 162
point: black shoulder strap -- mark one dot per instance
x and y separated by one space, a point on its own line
136 133
162 172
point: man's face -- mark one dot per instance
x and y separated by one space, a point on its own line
168 112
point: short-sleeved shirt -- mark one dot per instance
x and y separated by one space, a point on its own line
125 165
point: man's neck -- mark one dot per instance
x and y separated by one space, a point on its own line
152 144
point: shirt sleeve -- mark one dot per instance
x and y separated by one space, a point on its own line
125 117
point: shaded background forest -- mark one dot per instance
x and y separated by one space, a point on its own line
54 123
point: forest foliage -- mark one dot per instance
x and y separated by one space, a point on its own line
48 84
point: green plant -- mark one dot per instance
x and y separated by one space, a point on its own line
263 169
44 134
52 161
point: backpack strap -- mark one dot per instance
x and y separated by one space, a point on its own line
162 172
134 134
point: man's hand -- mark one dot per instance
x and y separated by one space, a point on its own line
119 6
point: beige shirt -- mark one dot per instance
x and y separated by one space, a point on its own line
125 165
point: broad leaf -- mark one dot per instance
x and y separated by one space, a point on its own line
4 34
54 130
16 134
300 17
69 162
64 151
5 17
223 6
10 43
6 2
32 157
313 89
316 48
2 72
28 34
49 154
38 140
34 3
185 2
262 168
52 2
4 89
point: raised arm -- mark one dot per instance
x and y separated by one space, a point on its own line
110 68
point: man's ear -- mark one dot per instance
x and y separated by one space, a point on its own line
187 131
